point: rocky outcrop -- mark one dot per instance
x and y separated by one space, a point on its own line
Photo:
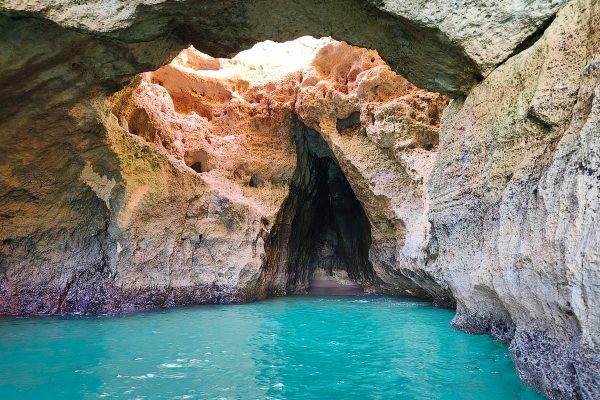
516 185
199 206
443 45
373 123
183 188
242 126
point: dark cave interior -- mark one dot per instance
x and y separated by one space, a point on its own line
328 233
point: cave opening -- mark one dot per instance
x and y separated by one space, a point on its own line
259 138
197 166
322 225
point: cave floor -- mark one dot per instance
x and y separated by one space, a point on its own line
324 287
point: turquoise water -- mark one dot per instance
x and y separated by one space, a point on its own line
285 348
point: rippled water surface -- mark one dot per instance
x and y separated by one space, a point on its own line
286 348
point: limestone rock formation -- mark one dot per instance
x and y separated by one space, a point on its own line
197 206
236 124
120 205
443 45
516 184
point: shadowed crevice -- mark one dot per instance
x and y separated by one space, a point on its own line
322 233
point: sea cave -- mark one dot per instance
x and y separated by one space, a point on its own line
299 200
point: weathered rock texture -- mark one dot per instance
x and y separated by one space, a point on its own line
237 124
516 185
122 205
439 44
196 206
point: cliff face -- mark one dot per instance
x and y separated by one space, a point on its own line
516 184
285 143
205 180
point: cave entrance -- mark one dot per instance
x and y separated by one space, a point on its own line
329 233
264 183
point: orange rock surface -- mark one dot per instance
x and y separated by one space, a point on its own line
231 124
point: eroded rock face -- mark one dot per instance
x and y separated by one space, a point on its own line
240 124
101 213
374 120
516 184
197 206
443 45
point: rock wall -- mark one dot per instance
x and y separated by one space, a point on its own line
104 206
234 126
198 158
443 45
514 197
